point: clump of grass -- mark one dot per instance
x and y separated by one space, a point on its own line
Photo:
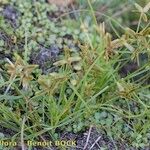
86 90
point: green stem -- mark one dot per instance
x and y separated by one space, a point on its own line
138 27
92 11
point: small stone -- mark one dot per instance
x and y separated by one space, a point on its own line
10 13
1 135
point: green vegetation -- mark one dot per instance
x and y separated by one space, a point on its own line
68 72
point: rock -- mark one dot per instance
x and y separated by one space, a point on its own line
46 57
11 14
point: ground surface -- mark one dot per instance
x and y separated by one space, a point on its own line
40 32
